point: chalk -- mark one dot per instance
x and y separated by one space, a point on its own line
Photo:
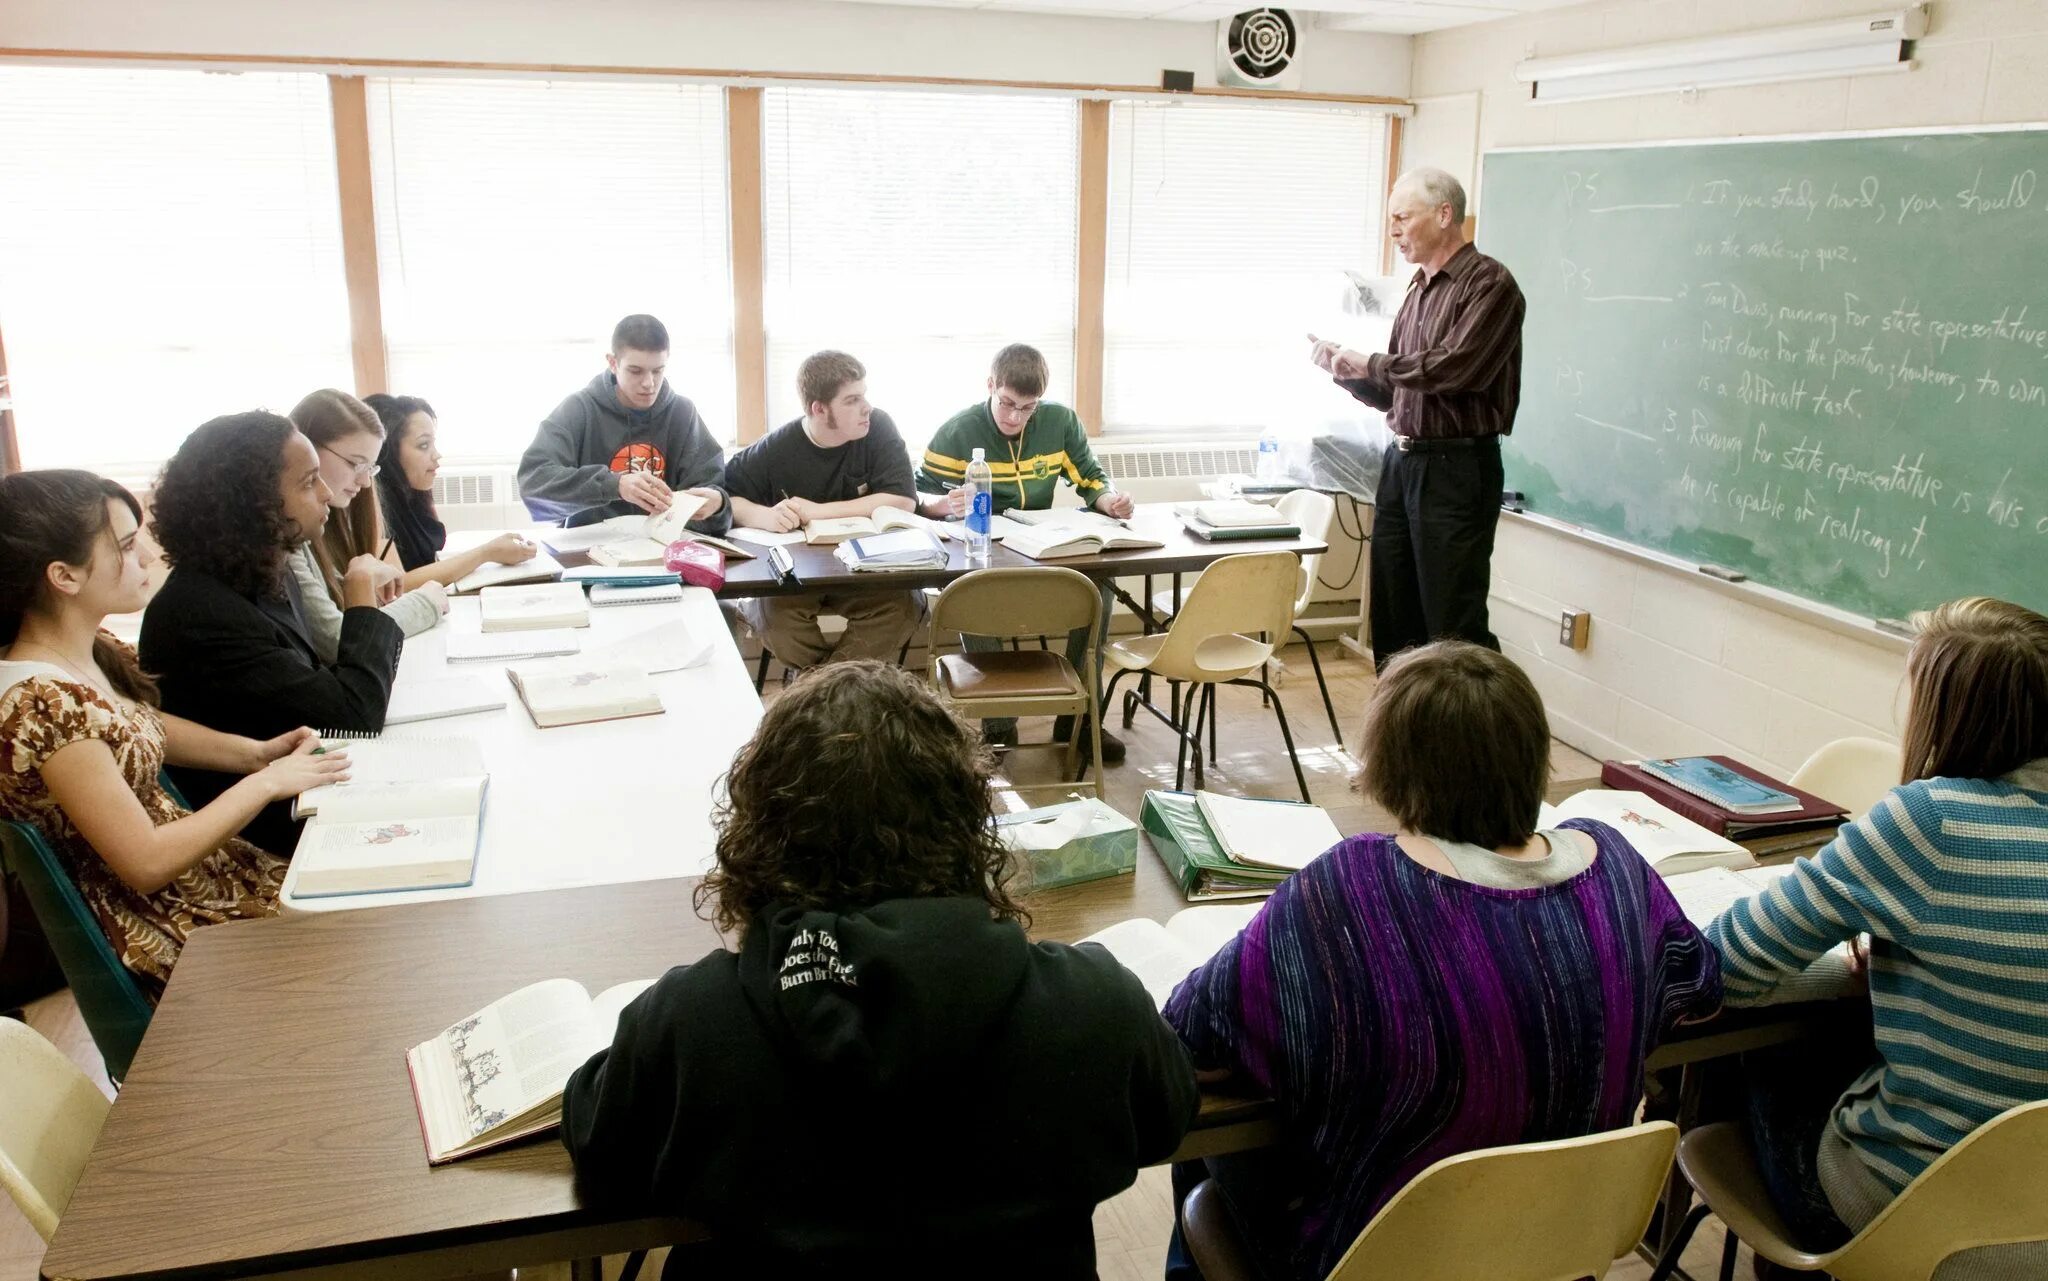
1723 573
1896 626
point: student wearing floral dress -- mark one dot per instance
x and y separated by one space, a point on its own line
82 738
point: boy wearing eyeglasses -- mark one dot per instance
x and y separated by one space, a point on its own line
1031 444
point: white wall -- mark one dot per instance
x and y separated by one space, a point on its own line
1676 664
725 35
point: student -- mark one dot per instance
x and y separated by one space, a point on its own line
1949 877
85 738
625 442
226 635
1467 982
407 463
888 1077
1031 444
348 436
842 458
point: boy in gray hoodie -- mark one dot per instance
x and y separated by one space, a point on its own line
626 443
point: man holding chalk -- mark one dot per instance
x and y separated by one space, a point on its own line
1449 383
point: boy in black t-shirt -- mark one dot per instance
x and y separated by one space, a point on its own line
842 458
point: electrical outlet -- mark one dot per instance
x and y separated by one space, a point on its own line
1574 629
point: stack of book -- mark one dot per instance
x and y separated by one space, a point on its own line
1233 520
897 549
1730 799
1224 847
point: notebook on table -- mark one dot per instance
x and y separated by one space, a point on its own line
374 761
1189 851
477 647
1234 520
608 594
542 568
897 549
498 1075
1813 811
573 692
434 700
1281 836
378 838
1163 955
537 607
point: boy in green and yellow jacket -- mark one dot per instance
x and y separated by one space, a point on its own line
1030 446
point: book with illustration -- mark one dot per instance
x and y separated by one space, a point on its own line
834 530
497 1076
534 608
593 687
377 838
1162 955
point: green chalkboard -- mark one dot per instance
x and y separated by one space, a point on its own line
1821 362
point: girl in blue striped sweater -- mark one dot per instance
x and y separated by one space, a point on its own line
1949 877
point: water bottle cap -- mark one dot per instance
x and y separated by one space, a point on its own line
980 455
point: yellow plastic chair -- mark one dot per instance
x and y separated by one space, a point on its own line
50 1116
1990 1189
1236 615
1555 1211
1019 602
1314 513
1854 773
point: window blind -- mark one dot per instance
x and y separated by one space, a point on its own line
920 232
170 250
1230 229
519 220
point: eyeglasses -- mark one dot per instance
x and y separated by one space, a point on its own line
1011 406
364 471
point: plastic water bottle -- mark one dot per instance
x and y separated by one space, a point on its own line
1269 456
981 507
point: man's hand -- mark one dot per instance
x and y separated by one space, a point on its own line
803 509
1324 353
369 581
778 519
958 498
647 491
1115 505
709 501
1338 360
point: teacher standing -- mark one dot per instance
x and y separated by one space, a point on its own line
1449 383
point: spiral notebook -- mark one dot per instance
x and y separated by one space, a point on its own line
605 594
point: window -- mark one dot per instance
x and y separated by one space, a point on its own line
921 232
170 250
519 220
1230 230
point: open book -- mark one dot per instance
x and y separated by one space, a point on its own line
1162 955
837 529
589 688
1710 891
542 568
634 539
498 1075
532 608
1063 533
376 762
372 838
1668 841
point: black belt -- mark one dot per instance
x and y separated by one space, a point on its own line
1441 444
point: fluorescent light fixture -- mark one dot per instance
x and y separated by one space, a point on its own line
1863 45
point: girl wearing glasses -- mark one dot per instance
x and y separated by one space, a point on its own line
348 436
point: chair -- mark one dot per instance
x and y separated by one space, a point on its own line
1854 773
1011 603
52 1115
1990 1189
1553 1211
1314 512
114 1008
1210 642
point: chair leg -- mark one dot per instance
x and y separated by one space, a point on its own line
761 672
1728 1247
1336 732
1201 698
1286 735
1212 724
631 1271
1669 1263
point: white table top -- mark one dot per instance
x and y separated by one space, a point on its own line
595 804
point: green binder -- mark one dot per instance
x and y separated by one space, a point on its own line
1189 851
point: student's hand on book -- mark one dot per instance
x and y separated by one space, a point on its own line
779 519
803 509
710 500
647 491
436 593
263 751
510 549
1115 505
957 499
304 768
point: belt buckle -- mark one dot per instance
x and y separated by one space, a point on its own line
1406 444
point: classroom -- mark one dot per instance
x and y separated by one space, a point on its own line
999 638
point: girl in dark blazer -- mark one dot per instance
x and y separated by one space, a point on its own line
225 635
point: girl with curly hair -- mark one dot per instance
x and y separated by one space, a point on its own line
226 634
888 1077
84 737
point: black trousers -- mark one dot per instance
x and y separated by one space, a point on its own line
1432 546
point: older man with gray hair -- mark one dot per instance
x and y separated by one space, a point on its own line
1449 383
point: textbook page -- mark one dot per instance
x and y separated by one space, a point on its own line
376 761
392 836
1204 930
1146 949
500 1065
765 537
1658 833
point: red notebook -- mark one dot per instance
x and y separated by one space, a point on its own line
1813 811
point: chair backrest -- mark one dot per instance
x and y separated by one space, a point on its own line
1990 1189
1554 1211
49 1117
1854 773
1314 512
114 1008
1025 600
1244 595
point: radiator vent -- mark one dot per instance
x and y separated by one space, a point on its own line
465 489
1176 464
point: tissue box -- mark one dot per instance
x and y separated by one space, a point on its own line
1067 844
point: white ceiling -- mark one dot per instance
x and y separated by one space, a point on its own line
1400 17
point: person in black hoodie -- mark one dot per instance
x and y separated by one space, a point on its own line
626 443
888 1077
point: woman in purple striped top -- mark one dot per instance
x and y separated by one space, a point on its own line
1465 983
